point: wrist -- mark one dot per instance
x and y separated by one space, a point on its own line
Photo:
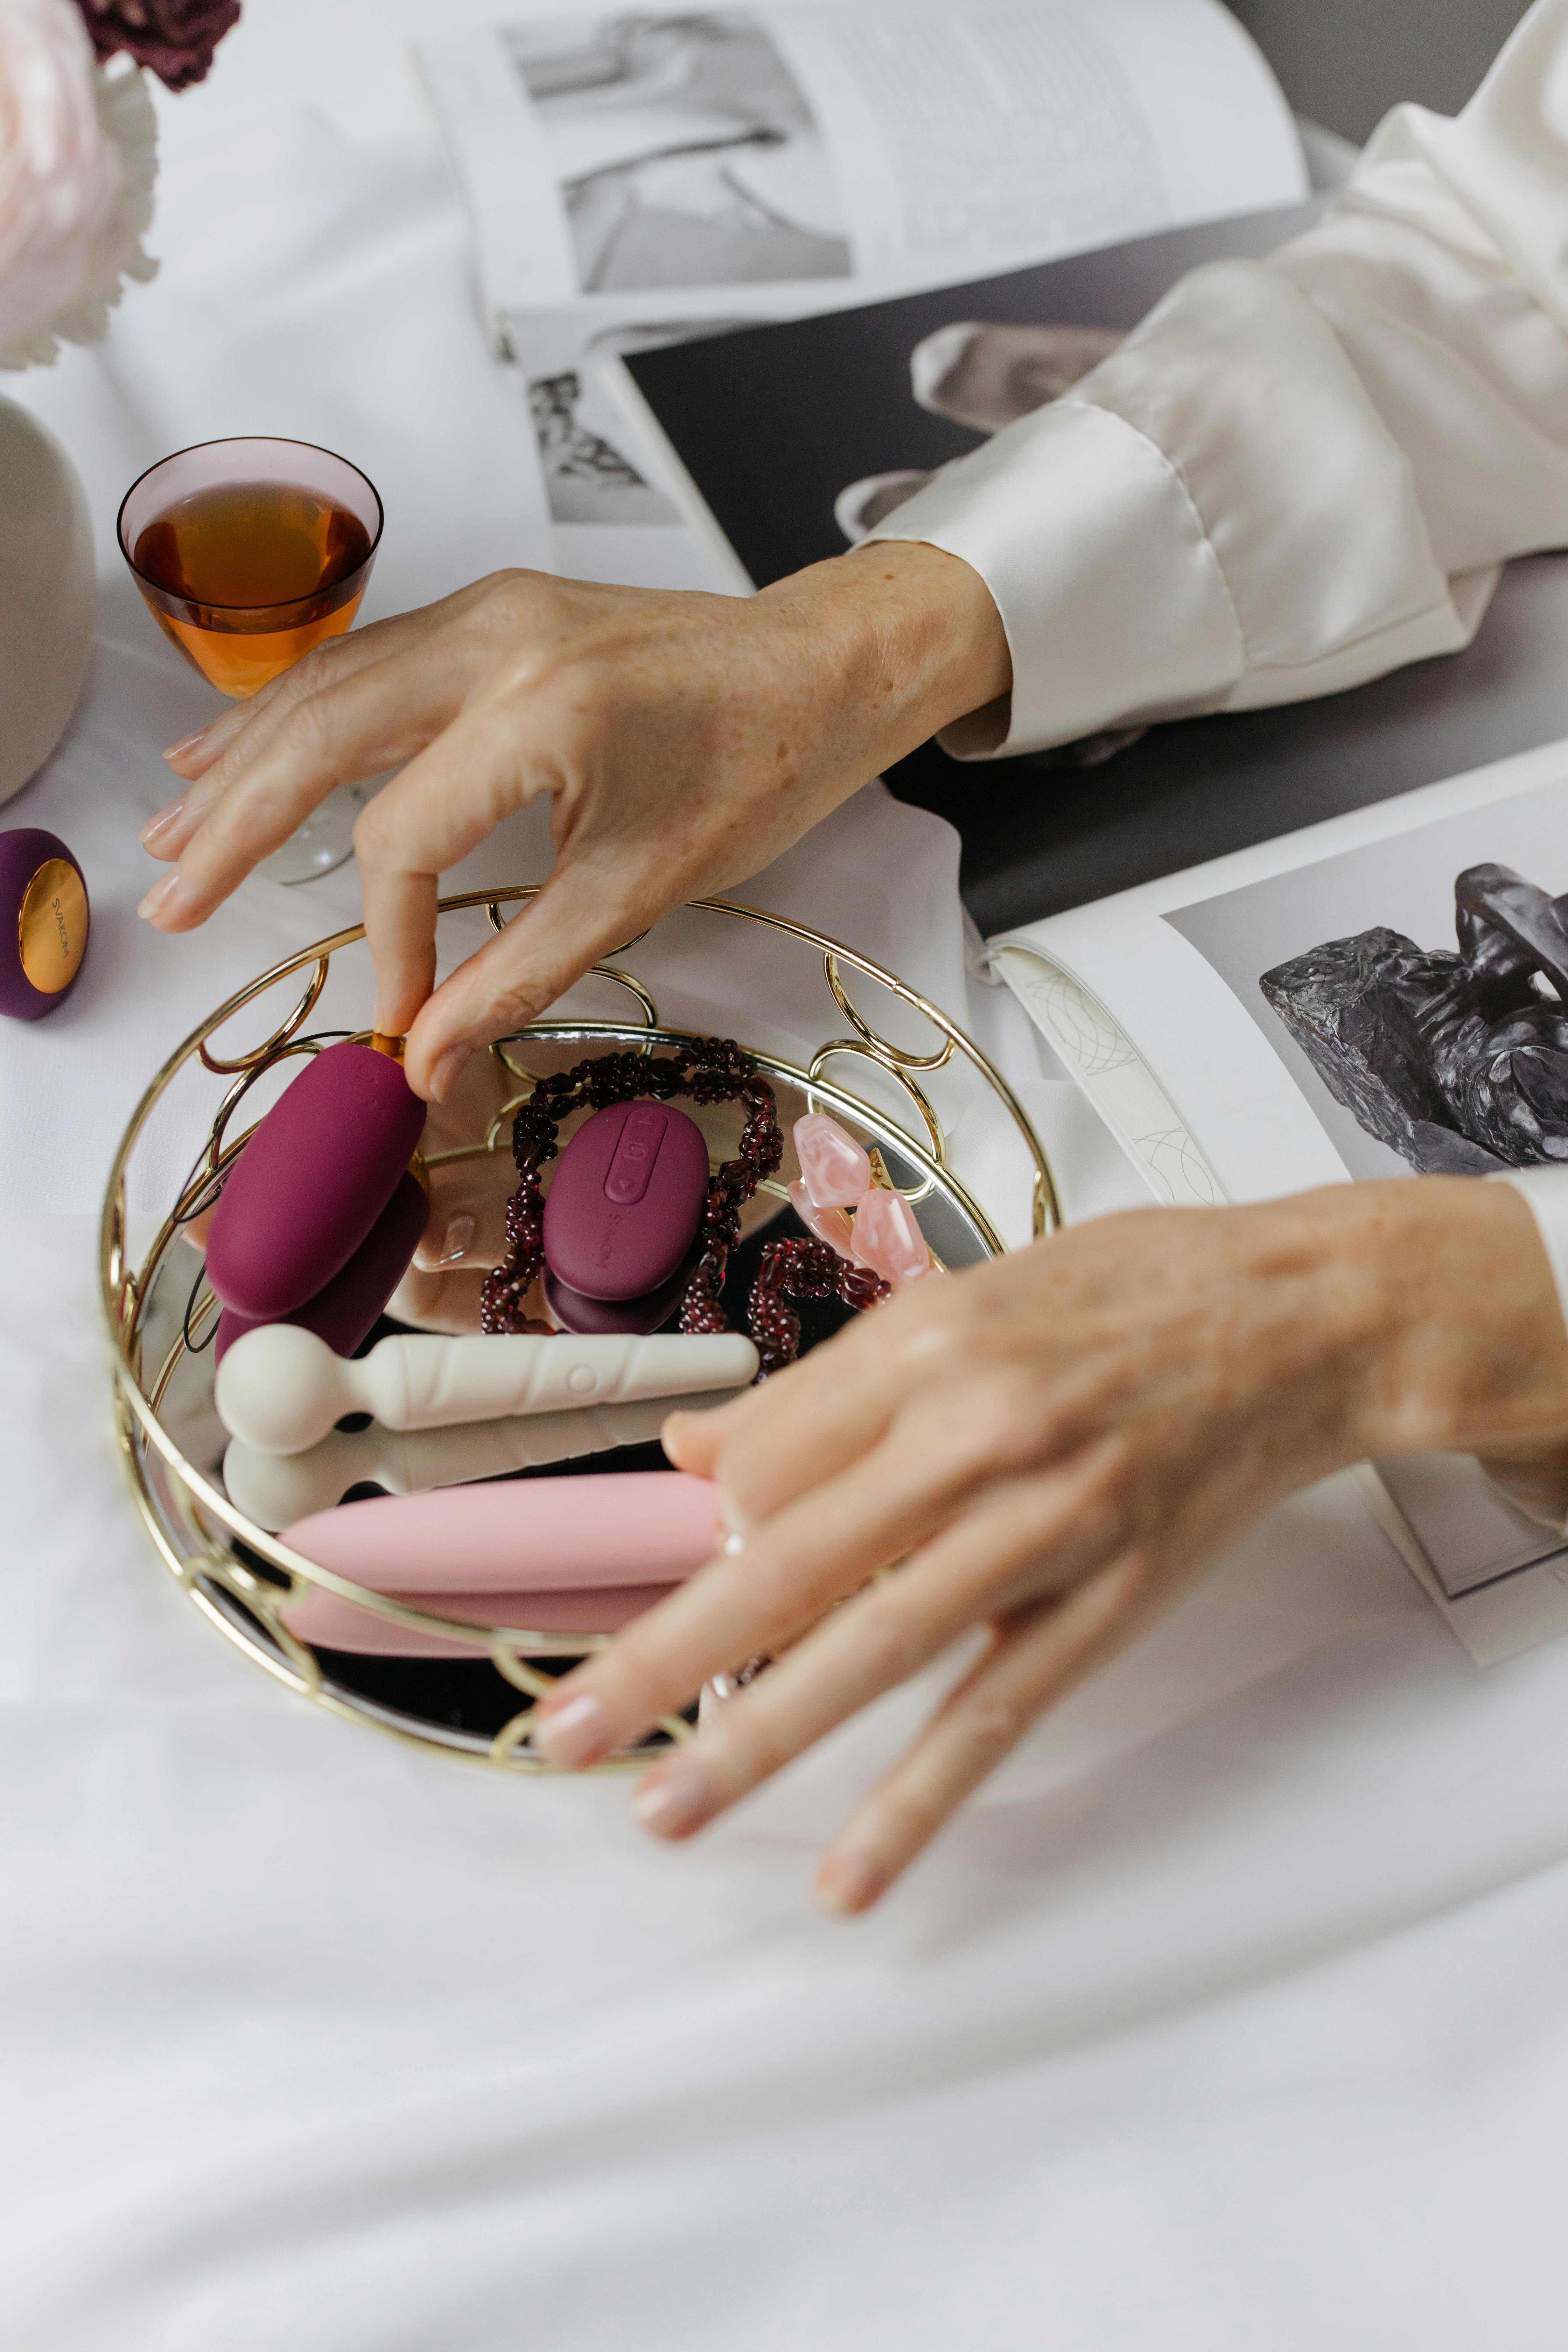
1465 1349
911 639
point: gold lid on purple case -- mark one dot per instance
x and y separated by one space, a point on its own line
44 921
51 925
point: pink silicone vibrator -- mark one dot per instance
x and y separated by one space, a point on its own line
328 1623
554 1535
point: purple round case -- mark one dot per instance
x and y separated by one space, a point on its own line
626 1199
345 1312
36 930
575 1311
312 1180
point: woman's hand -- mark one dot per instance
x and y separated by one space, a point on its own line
685 740
1050 1447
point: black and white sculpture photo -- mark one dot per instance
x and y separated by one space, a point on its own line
1456 1059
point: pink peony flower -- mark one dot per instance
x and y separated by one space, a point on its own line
173 38
77 159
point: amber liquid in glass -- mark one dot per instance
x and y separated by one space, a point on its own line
238 548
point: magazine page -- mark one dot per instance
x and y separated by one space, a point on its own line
1213 975
636 179
1345 1002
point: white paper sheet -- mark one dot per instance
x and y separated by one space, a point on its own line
633 181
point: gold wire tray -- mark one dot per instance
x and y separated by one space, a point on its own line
240 1576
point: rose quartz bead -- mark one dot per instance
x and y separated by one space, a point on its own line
829 1225
834 1169
888 1239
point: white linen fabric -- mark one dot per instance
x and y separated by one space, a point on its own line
1295 474
1231 2014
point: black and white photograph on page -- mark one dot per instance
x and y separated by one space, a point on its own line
587 479
686 155
593 471
1416 989
685 150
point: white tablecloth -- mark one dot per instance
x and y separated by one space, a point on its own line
1232 2015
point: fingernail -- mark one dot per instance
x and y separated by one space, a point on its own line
848 1883
184 744
675 1800
447 1067
157 827
459 1232
578 1733
161 897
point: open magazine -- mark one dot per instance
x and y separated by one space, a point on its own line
1380 995
639 178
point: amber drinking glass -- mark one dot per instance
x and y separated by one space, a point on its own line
247 553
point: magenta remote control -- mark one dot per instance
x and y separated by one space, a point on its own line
623 1207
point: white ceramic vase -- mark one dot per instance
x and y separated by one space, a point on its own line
47 594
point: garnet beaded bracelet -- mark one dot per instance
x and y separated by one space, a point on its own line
707 1070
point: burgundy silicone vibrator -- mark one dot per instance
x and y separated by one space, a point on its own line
313 1181
347 1308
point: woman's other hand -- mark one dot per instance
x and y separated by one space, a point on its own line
1049 1447
684 739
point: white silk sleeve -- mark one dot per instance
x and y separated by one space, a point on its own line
1295 474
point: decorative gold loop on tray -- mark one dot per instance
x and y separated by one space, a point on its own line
241 1576
894 1056
280 1035
917 1095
